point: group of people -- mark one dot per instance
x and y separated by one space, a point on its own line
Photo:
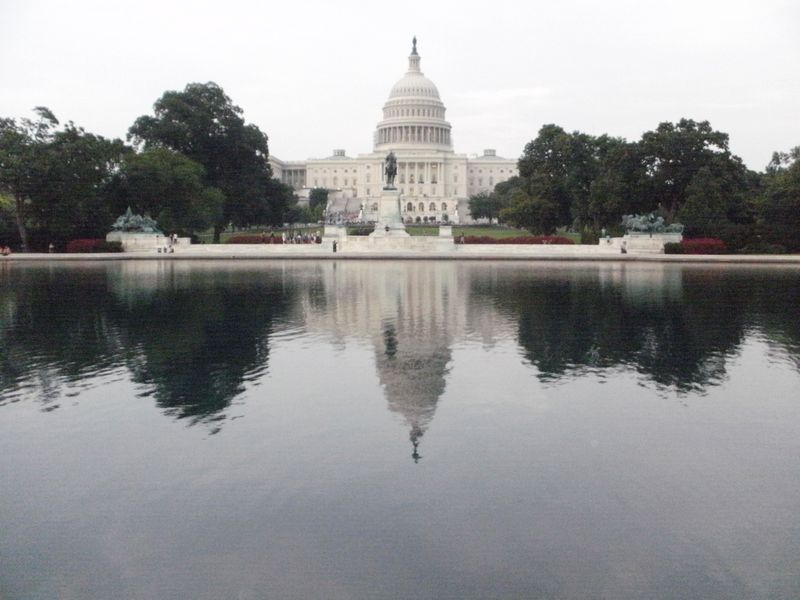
301 238
5 250
169 247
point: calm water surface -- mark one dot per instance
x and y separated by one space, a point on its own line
398 430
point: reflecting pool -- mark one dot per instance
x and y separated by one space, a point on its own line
391 429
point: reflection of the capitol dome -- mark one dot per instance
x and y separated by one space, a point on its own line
411 313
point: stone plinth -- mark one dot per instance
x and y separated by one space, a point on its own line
334 232
145 242
390 223
640 243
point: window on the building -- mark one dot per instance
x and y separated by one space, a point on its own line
421 207
374 206
409 207
444 206
432 207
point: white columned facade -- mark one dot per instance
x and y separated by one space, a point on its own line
414 127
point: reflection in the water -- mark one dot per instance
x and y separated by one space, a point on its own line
191 337
675 325
412 315
194 335
554 467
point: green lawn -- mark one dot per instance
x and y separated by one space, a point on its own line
207 237
492 231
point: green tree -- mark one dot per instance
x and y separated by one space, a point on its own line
674 153
559 167
20 151
57 176
482 206
318 197
170 187
779 211
714 203
68 193
533 213
617 187
202 123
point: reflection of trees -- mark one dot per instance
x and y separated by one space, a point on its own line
194 337
55 328
676 331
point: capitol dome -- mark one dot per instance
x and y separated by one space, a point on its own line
413 116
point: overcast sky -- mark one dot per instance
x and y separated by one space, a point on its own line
314 75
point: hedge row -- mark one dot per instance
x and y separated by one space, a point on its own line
254 239
525 239
85 245
696 246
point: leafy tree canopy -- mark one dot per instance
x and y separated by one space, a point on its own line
675 152
169 187
57 176
318 197
202 123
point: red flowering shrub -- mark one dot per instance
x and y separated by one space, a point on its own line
704 246
83 245
524 239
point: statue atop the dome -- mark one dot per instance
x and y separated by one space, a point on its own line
414 45
390 170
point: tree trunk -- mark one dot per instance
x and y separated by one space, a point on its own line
19 202
217 232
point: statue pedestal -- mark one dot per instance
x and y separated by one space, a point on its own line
390 223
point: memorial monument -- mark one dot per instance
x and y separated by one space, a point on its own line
389 222
434 181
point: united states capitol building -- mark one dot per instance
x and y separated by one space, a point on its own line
434 181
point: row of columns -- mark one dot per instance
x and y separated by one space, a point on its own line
406 169
414 134
295 178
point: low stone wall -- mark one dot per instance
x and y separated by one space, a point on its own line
256 250
641 243
144 242
534 250
416 244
